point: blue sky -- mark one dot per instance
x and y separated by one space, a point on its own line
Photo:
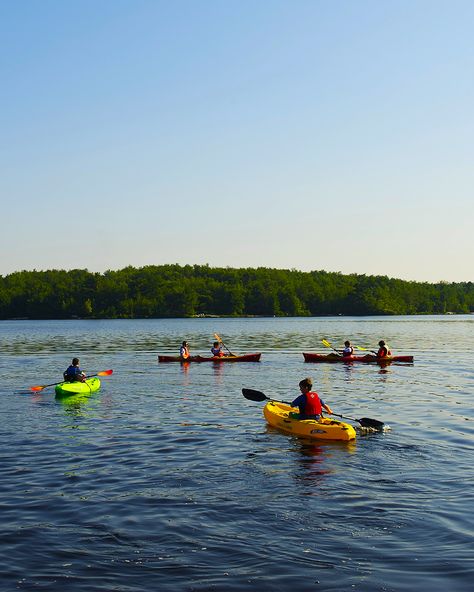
333 135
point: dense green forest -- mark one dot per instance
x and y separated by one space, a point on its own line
199 290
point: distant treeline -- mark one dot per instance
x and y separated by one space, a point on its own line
200 290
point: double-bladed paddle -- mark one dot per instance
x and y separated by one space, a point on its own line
38 388
365 422
258 396
327 344
220 341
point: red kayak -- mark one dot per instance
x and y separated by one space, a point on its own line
242 358
366 359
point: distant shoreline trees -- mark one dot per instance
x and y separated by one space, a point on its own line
168 291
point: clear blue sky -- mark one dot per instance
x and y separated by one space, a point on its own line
332 135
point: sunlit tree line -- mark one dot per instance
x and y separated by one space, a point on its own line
191 290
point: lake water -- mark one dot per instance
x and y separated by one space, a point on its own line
168 479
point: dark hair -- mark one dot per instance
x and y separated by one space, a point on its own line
216 343
306 383
347 343
382 342
75 361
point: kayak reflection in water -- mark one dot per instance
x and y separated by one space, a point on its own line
309 402
184 350
216 350
74 373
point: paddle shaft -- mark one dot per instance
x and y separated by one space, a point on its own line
41 387
326 343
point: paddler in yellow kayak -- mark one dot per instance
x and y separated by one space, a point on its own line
309 402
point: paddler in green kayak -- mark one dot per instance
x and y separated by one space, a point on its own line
74 373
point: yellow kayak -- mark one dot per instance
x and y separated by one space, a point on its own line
278 416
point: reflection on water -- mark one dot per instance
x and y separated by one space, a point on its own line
78 405
167 478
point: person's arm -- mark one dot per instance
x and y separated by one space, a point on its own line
299 402
326 407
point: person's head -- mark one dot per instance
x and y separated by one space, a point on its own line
381 343
185 344
216 344
347 343
75 361
305 385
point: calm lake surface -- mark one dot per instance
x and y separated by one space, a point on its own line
168 479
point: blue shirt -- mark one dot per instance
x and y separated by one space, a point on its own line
72 373
300 402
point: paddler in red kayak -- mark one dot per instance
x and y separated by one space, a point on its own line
216 350
74 373
309 402
184 351
348 350
383 351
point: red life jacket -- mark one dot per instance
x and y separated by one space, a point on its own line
383 352
313 404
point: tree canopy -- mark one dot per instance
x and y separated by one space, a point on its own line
199 290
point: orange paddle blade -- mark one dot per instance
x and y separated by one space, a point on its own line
105 373
36 388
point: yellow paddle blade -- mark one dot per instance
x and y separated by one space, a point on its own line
326 343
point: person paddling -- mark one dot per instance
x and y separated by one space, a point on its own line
216 350
309 402
74 373
348 349
383 351
184 350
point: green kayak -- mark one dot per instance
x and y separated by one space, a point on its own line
66 389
